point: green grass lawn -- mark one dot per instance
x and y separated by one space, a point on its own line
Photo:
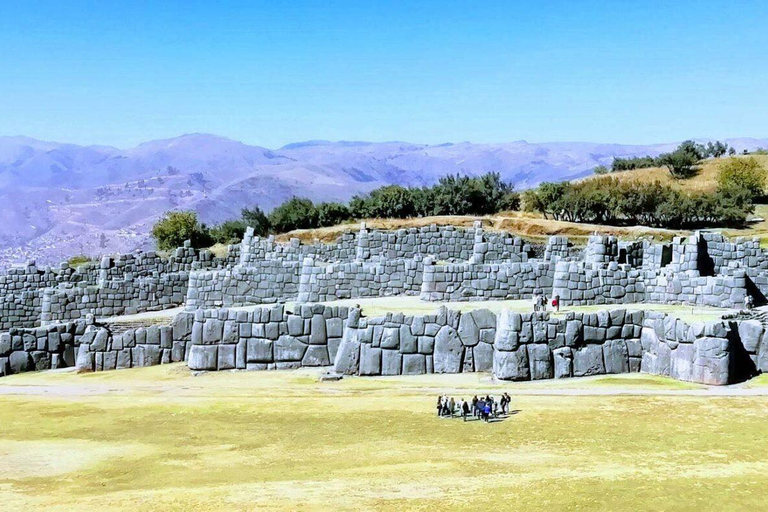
162 439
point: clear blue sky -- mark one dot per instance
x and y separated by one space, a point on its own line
270 73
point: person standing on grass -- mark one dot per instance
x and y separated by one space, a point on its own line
535 303
474 406
451 406
464 409
487 412
439 405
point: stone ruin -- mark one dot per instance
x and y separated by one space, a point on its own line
235 316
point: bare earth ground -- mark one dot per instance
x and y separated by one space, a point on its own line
161 438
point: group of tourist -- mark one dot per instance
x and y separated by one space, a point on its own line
540 302
482 408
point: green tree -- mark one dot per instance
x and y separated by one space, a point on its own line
393 201
600 170
331 214
229 232
257 219
174 228
681 163
296 213
746 173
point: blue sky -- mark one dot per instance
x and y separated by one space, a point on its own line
269 73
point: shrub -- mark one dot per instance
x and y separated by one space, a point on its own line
174 228
255 218
296 213
746 173
330 214
600 170
229 232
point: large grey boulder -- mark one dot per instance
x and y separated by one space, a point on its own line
511 365
469 332
588 360
447 357
508 331
563 362
483 356
288 348
260 350
227 357
681 362
84 362
203 357
391 361
616 356
318 334
750 334
540 361
347 361
414 364
213 331
146 355
712 361
390 338
370 360
20 362
316 355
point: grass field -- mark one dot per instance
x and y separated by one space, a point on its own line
161 439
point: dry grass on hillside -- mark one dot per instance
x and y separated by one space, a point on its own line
530 226
704 181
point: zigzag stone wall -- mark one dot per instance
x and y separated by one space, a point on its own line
41 348
486 281
379 278
266 338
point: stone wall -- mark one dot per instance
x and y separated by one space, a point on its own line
580 283
266 338
40 348
21 309
484 281
704 353
112 298
378 278
261 282
113 347
396 344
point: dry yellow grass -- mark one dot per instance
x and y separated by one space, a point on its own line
160 439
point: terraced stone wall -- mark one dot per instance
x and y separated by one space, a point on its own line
262 282
486 281
396 344
372 278
266 338
112 298
41 348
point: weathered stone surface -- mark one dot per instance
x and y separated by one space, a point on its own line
588 360
347 361
260 350
508 331
414 364
750 334
469 332
391 361
20 362
540 361
712 361
318 334
85 361
390 338
511 365
681 362
213 330
288 348
316 355
563 358
483 357
370 360
616 356
203 357
146 355
227 357
409 344
447 357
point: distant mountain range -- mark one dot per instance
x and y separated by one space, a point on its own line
60 200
